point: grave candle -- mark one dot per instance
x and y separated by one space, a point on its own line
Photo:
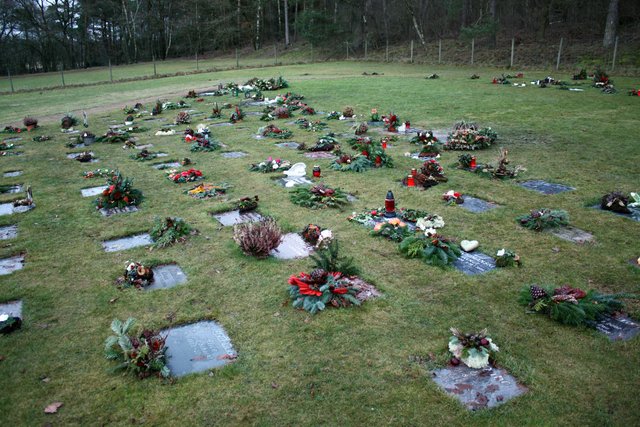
411 181
384 143
378 161
316 171
407 125
472 165
390 205
414 172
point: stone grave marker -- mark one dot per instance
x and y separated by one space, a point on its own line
618 328
11 189
235 217
12 308
73 156
290 144
351 199
222 124
475 205
290 182
166 276
292 246
8 208
545 187
633 215
9 265
572 234
319 155
93 191
14 139
8 232
234 154
117 211
472 263
478 388
253 113
129 242
197 347
168 165
11 174
416 156
162 155
143 146
259 137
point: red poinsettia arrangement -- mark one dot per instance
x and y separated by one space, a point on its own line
313 292
391 122
185 176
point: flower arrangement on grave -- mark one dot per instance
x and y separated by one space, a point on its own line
11 129
333 115
207 191
99 173
191 94
317 236
175 105
269 84
467 137
543 218
347 113
571 306
271 165
128 120
216 111
582 75
411 215
507 258
165 131
142 354
237 115
432 76
119 193
205 144
189 175
634 92
272 113
183 118
9 323
68 121
312 126
157 109
393 229
6 146
186 161
246 204
135 275
361 143
361 128
465 161
615 201
348 163
42 138
391 122
169 230
30 123
143 155
113 136
367 217
433 249
431 173
318 197
258 238
476 350
601 78
290 97
273 131
424 138
379 156
474 76
307 110
325 143
502 80
375 117
502 171
84 157
429 222
453 198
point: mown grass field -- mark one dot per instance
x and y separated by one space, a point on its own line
341 367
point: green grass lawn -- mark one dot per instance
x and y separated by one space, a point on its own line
340 367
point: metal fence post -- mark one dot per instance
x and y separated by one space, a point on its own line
559 53
473 47
615 53
513 46
10 79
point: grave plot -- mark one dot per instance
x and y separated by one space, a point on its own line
84 157
617 328
634 213
472 263
475 205
293 181
234 154
116 211
8 232
9 265
292 246
290 144
236 217
11 174
93 191
572 234
129 242
11 189
10 316
221 124
620 203
9 208
167 165
320 155
166 276
478 388
545 187
197 347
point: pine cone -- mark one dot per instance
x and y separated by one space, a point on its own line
537 292
318 275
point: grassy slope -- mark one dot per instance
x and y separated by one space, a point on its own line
341 366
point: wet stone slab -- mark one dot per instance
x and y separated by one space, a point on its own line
8 208
125 243
472 263
166 276
93 191
235 217
144 146
572 234
11 174
12 308
14 139
319 155
478 388
234 154
74 156
9 265
168 165
417 156
11 189
290 182
290 144
292 246
618 328
221 124
8 232
197 347
118 211
545 187
475 205
633 215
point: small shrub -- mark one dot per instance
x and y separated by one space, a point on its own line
169 230
30 121
540 219
258 238
68 121
329 259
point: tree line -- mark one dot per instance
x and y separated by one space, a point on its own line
44 35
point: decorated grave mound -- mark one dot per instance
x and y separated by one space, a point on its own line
189 175
161 276
499 171
373 150
467 136
144 155
318 197
621 204
349 163
236 116
208 191
270 165
169 230
273 131
430 144
119 194
311 126
326 142
430 174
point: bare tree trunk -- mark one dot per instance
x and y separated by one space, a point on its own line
492 13
286 23
238 10
415 24
295 19
611 29
335 11
257 39
386 22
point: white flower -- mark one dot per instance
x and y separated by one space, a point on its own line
407 154
4 317
476 359
450 193
433 221
501 252
131 266
455 347
325 237
275 165
430 232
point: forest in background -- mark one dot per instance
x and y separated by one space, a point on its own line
47 35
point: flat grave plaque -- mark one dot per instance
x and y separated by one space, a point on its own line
166 276
259 137
93 191
8 208
14 139
117 211
168 165
222 124
8 232
253 113
9 265
572 234
143 146
12 308
633 215
545 187
476 205
11 174
162 155
197 347
73 156
290 182
478 388
290 144
292 246
11 189
234 154
127 242
319 155
417 156
619 328
235 217
472 263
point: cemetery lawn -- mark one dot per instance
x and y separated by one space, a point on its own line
367 365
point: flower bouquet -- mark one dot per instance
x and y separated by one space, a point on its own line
119 193
318 197
272 131
391 122
467 137
615 201
68 121
9 323
99 173
501 171
184 176
453 198
237 115
270 165
135 275
216 111
205 144
361 128
412 215
314 292
169 230
347 113
434 249
143 155
12 129
324 143
368 217
333 115
540 219
507 258
207 191
246 204
314 126
347 163
183 118
375 117
41 138
393 229
475 350
307 110
317 236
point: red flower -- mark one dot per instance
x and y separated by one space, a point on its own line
303 286
339 291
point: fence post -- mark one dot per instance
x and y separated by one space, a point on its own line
10 79
615 53
412 51
439 51
275 48
513 46
473 47
347 50
365 49
110 72
237 59
197 64
155 71
559 53
62 73
386 55
312 54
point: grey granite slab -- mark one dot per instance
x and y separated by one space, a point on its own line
8 232
129 242
545 187
93 191
472 263
9 265
166 276
235 217
292 246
